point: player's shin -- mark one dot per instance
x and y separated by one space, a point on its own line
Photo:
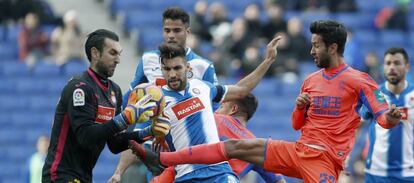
195 155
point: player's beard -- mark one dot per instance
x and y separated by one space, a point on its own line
324 61
181 86
104 70
394 80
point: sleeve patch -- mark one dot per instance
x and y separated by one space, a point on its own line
379 96
78 97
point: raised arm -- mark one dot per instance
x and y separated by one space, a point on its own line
246 85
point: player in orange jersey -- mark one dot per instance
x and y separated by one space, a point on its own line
231 120
326 112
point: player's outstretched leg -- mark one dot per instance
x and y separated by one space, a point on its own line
150 159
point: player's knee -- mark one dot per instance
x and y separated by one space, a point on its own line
234 146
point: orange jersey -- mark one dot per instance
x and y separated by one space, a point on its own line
332 118
229 128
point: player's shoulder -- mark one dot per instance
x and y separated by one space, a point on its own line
115 85
195 58
200 82
151 55
78 83
314 74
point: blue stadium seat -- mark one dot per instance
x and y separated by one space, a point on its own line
43 103
12 103
7 86
54 86
15 70
117 6
8 51
29 86
357 21
73 68
369 40
393 38
142 19
44 70
150 39
9 136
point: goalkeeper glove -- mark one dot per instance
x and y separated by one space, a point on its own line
161 126
135 113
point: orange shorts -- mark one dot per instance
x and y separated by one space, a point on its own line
300 161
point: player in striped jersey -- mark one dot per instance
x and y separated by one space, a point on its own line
189 107
391 152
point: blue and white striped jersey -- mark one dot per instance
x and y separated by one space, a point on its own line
391 151
193 123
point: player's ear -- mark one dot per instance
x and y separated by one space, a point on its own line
95 53
234 109
333 48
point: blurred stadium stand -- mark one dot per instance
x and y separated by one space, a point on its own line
28 96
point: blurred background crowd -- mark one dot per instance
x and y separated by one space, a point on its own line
41 47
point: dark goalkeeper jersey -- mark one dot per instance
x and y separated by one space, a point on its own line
82 126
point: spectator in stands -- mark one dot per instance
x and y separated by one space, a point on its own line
372 66
288 69
342 6
198 22
298 46
40 7
393 17
236 42
275 23
33 42
37 160
252 18
67 40
311 5
218 23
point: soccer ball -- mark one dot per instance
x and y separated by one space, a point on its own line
146 88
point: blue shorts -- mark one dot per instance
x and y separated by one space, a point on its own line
225 177
379 179
210 174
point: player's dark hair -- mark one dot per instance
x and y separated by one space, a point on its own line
331 32
395 50
176 13
170 51
248 105
97 39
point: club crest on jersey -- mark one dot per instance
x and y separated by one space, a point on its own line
196 91
379 96
187 107
78 97
190 74
113 98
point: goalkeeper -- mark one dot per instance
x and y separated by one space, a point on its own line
89 115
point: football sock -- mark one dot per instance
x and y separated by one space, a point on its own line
200 154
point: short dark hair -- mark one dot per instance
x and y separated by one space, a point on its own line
170 50
97 39
395 50
176 13
331 32
247 105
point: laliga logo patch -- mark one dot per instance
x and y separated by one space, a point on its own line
78 97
